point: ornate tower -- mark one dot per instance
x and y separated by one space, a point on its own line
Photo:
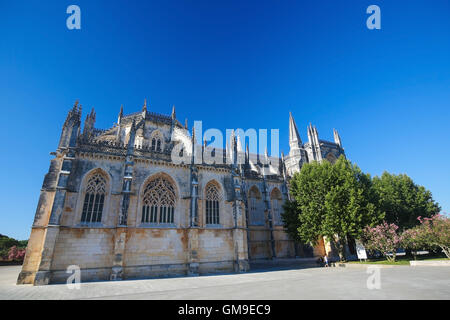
314 144
71 128
297 154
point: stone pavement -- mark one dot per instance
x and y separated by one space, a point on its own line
402 282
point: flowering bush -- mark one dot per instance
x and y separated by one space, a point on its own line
16 254
383 238
413 239
435 232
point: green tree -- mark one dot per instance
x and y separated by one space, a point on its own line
291 219
402 200
332 200
6 243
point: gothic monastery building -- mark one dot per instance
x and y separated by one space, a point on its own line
115 204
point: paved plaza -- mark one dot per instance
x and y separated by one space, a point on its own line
402 282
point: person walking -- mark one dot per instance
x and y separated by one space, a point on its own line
325 259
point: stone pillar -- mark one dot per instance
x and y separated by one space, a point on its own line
240 240
193 245
52 232
121 231
268 214
45 230
42 276
241 263
39 228
119 250
193 242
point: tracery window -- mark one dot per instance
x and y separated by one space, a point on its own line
212 201
156 141
158 202
94 199
276 201
256 210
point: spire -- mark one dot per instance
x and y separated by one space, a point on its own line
239 144
71 127
93 114
193 146
282 171
266 156
119 118
233 147
186 124
89 123
316 135
75 113
240 151
75 106
173 112
315 142
247 153
309 134
337 138
294 137
131 140
144 107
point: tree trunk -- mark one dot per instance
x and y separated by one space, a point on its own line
341 250
446 251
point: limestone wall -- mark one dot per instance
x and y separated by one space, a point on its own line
148 250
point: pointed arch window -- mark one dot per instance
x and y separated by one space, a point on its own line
158 145
94 199
255 206
158 202
157 141
276 202
212 204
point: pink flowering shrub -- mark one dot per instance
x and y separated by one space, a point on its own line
413 239
435 232
383 238
16 254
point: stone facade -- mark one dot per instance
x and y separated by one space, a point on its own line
115 204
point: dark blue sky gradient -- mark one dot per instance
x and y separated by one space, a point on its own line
232 64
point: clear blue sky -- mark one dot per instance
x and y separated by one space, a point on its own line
231 64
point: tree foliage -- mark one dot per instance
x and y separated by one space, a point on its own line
402 200
331 200
16 254
290 217
6 243
435 232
